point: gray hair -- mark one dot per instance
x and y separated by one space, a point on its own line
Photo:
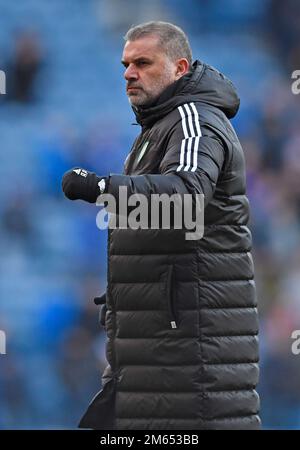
171 38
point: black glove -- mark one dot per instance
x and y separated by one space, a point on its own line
80 184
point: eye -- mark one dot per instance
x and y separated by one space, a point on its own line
142 63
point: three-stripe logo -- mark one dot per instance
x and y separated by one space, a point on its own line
190 142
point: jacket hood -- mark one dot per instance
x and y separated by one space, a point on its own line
203 84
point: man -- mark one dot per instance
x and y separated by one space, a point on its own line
181 316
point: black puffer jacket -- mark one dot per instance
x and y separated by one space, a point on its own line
181 315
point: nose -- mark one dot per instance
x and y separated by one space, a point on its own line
131 73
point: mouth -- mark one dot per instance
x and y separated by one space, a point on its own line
132 88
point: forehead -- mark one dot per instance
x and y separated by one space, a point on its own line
144 46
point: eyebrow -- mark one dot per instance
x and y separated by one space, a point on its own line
140 58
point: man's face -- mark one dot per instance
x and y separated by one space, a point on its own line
148 70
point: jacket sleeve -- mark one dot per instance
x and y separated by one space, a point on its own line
192 163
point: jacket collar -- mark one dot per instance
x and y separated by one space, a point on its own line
202 83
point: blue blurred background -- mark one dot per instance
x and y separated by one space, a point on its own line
65 106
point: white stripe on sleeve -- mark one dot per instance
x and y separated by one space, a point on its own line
190 121
190 143
183 121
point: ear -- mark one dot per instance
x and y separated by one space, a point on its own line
182 67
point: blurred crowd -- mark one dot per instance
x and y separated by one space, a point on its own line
65 107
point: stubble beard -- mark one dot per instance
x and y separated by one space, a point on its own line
146 98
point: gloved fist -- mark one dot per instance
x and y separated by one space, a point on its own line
80 184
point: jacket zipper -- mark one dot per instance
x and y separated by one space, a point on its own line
109 299
171 308
137 148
